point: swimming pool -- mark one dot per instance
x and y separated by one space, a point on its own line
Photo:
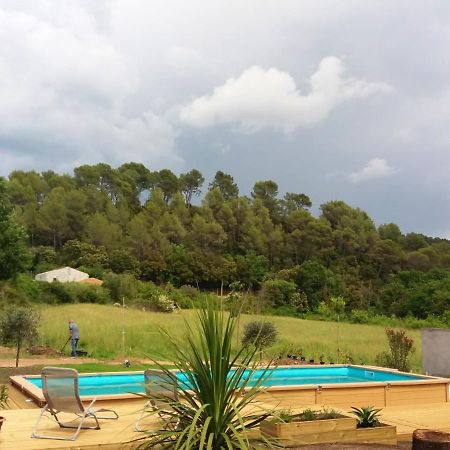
284 383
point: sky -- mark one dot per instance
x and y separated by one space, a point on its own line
341 100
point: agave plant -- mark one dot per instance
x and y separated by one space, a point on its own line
217 390
367 416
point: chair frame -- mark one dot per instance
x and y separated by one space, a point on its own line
76 406
151 406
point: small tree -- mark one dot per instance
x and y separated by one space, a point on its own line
400 348
259 334
17 327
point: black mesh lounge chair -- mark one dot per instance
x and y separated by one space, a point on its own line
60 388
162 391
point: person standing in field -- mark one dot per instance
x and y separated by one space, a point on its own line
74 337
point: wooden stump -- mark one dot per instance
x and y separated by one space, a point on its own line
430 440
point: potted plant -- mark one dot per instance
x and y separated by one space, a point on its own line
369 428
322 360
302 357
307 427
3 401
311 361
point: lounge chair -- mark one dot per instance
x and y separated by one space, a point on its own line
60 388
162 392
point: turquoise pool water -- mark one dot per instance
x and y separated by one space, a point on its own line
110 384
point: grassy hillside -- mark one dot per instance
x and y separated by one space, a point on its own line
101 334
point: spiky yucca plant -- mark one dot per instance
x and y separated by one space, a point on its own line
216 408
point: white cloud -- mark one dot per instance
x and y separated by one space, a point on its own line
261 98
64 87
375 168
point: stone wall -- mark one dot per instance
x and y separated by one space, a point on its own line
436 351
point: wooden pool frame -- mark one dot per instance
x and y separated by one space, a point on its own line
428 389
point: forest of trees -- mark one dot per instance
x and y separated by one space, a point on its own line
145 224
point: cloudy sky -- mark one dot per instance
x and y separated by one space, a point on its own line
341 100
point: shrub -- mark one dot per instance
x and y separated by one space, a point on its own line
400 348
120 285
189 291
178 297
324 310
93 271
359 316
92 294
278 292
234 302
299 301
446 317
164 304
27 288
56 292
10 295
286 311
259 334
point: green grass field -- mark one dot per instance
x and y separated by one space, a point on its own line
101 334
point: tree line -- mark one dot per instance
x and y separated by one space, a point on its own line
131 220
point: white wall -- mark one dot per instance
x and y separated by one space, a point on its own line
64 275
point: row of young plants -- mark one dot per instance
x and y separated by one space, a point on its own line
366 416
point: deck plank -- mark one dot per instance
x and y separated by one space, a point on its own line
114 434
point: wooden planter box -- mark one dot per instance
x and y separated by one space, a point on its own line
385 434
310 432
326 431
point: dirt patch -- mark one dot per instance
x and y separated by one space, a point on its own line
6 351
43 350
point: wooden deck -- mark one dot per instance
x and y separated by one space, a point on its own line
435 416
113 435
120 434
